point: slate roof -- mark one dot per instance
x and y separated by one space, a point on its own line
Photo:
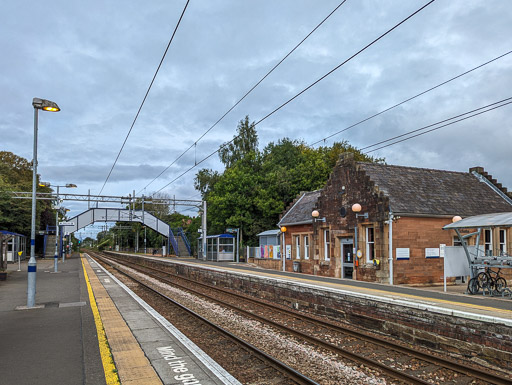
434 192
300 212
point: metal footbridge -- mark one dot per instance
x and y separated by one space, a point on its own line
125 215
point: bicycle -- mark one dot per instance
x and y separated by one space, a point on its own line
491 280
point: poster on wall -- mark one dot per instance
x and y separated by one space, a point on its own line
288 251
266 252
277 252
271 252
402 253
431 252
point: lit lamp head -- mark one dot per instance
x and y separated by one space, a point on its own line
456 218
356 207
315 214
43 104
283 229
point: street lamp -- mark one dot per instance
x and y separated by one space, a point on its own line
283 231
356 208
46 105
56 257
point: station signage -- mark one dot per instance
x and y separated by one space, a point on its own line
66 223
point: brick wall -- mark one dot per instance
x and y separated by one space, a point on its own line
418 234
484 343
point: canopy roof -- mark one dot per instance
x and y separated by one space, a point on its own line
269 232
484 220
11 233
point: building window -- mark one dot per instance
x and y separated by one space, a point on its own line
297 246
488 242
327 245
503 242
306 246
370 244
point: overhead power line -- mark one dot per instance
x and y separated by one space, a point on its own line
247 93
145 96
448 122
411 98
304 90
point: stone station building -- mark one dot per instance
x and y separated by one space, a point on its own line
414 202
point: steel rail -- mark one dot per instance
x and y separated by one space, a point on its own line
354 357
469 371
275 363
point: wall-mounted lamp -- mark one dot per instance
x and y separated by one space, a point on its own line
343 190
315 214
456 218
356 207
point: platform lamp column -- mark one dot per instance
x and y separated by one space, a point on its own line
204 230
283 256
38 104
56 257
145 252
356 208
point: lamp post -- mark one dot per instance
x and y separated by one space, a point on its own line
57 231
356 207
46 105
283 231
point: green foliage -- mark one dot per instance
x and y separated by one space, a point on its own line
15 214
244 143
257 186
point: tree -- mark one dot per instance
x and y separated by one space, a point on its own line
243 144
256 187
15 214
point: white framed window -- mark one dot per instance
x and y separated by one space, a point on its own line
297 247
488 242
503 241
370 244
327 245
306 246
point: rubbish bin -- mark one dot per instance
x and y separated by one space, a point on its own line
296 266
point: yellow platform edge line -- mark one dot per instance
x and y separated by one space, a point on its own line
109 367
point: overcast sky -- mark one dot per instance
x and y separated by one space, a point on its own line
96 60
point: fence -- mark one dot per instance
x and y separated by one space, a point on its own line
267 251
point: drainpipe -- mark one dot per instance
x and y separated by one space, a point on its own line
390 251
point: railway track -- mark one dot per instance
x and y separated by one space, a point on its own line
262 365
401 363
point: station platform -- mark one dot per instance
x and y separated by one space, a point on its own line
55 342
89 328
432 298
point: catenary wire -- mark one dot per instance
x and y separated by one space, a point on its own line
435 124
247 93
145 96
343 63
437 128
479 113
411 98
301 92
